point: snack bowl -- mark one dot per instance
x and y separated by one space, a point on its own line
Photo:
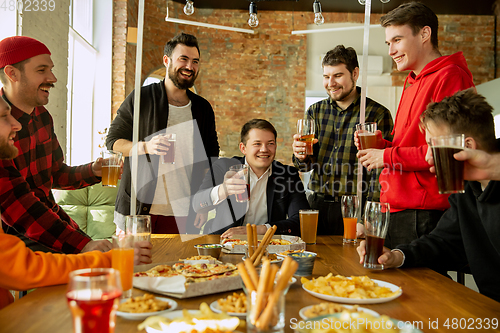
213 250
306 262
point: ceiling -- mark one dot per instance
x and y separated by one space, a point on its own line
450 7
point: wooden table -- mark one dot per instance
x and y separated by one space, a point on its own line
428 298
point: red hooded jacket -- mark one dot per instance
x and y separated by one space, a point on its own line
406 180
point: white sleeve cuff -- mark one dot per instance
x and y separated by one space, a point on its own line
267 225
402 253
214 195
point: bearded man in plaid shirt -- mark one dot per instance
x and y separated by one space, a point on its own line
28 207
334 161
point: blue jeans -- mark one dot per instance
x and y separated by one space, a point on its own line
408 225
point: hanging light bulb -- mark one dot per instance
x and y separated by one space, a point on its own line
253 21
385 1
318 16
362 2
189 8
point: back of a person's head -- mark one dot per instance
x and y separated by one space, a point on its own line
182 38
416 15
465 112
341 55
261 124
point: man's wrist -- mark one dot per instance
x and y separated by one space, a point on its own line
402 256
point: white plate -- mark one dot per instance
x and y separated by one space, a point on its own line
144 315
336 299
215 308
304 309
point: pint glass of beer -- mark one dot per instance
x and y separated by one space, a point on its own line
241 171
366 135
449 171
306 130
169 158
376 225
111 167
308 225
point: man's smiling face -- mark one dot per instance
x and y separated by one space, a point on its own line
183 66
259 150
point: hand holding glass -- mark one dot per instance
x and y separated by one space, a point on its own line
139 226
349 205
366 135
111 167
241 171
169 158
376 225
449 171
93 295
306 130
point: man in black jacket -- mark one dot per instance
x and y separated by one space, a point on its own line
468 233
276 191
169 107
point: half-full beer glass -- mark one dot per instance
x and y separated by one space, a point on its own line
366 135
306 130
376 225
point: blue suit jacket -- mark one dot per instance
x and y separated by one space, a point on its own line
285 197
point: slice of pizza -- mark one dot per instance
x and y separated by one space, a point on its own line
203 270
212 277
160 270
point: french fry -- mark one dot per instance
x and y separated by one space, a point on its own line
250 240
246 277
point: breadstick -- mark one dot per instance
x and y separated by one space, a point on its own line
246 277
288 269
254 233
270 284
263 244
250 240
252 272
259 305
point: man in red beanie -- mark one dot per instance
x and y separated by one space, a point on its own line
28 207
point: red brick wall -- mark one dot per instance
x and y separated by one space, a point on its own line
248 76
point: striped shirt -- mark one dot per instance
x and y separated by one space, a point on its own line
334 160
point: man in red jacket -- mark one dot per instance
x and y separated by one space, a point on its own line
411 32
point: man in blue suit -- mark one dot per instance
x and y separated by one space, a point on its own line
276 191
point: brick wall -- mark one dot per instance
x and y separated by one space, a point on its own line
248 76
52 28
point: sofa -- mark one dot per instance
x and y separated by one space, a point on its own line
91 207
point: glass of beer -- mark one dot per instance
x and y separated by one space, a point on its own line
366 135
110 167
93 295
241 171
139 226
449 171
122 259
169 158
349 205
308 225
376 225
306 130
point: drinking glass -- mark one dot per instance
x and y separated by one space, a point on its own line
93 295
308 225
306 130
169 158
242 172
122 259
366 135
449 171
349 205
139 226
376 225
110 167
256 323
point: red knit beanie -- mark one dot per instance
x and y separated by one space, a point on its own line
19 48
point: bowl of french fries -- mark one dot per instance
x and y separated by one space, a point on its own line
141 307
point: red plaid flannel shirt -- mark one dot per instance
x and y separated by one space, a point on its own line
26 199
